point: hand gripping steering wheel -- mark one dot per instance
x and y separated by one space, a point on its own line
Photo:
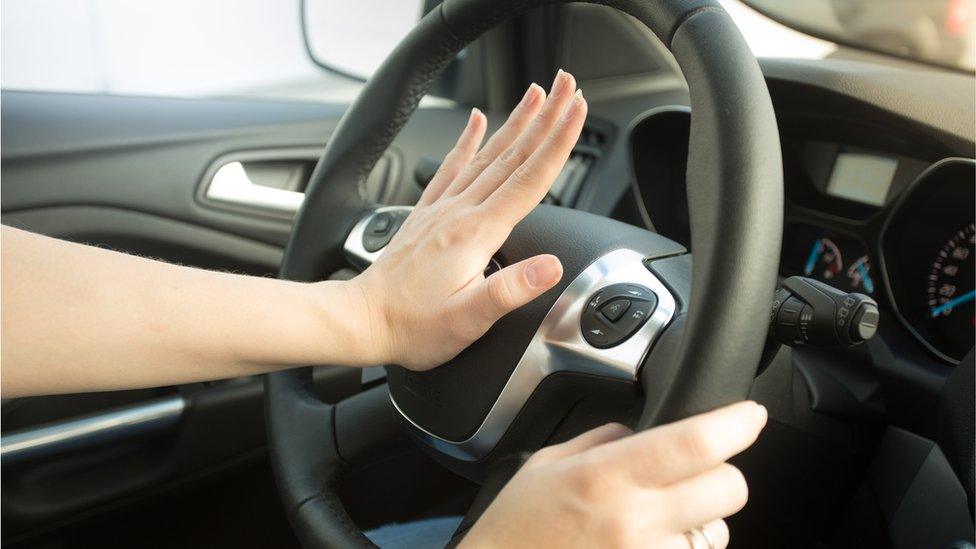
690 334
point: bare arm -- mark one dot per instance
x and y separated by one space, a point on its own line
77 318
80 318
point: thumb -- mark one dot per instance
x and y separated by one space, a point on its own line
514 286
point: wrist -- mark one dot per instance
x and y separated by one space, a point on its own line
352 327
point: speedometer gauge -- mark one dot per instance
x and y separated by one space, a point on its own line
951 288
929 258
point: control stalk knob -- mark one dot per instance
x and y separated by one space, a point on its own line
807 312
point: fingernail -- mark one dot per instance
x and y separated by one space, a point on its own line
761 413
543 272
574 106
558 83
474 113
531 94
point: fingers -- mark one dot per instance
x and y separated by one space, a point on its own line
590 439
717 531
518 120
717 493
511 288
686 448
459 157
528 183
522 148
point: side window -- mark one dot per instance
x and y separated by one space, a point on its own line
199 48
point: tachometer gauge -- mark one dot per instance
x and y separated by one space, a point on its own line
951 289
825 261
859 275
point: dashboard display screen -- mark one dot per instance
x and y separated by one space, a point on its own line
864 178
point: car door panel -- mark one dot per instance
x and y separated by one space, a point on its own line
128 173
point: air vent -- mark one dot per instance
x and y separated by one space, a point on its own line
591 138
569 181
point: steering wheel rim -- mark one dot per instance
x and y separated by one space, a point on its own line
734 178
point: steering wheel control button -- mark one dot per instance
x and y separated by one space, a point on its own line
636 292
374 243
595 302
597 333
380 224
615 313
381 229
635 317
615 309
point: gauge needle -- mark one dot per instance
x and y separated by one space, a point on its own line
812 258
866 279
965 298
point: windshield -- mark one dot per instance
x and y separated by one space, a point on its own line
932 31
255 48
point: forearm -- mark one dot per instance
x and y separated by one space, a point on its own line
78 318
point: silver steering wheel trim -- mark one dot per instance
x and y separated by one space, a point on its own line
557 346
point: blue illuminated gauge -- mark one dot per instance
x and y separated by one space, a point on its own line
825 261
859 275
951 291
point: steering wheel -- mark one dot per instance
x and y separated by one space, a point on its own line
691 332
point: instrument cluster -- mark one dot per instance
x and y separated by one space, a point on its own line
839 260
918 251
868 210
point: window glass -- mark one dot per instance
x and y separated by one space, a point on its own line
249 48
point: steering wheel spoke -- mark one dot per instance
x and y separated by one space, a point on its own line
617 296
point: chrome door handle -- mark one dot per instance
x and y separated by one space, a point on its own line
231 184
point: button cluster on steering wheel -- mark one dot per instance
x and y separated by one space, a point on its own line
614 313
381 229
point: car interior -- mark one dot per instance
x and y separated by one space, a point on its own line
850 180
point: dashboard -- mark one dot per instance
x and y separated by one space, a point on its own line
922 258
869 209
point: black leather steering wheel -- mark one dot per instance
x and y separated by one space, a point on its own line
696 350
